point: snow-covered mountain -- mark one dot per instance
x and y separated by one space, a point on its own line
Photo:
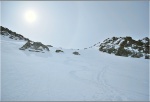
120 46
5 32
126 46
30 45
69 74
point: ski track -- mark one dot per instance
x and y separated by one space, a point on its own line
105 92
108 91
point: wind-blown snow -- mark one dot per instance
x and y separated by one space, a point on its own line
91 76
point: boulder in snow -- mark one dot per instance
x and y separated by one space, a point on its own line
76 53
34 46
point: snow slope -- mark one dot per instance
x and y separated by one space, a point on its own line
51 76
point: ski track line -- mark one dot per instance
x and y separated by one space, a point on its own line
106 90
110 92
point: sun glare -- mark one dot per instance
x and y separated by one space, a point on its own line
30 16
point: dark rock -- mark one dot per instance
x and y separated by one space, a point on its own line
123 52
26 46
57 51
137 55
125 46
21 49
36 46
38 51
32 50
76 53
11 34
147 56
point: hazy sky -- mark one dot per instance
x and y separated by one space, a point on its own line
76 24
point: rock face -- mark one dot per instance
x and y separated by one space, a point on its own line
34 47
57 51
11 34
30 45
126 46
76 53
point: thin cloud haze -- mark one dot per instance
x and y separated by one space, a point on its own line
77 24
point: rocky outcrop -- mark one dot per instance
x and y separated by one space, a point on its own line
126 46
34 47
57 51
30 45
76 53
147 56
11 34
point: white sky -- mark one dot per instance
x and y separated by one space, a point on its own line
77 24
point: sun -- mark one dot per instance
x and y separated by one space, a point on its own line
30 16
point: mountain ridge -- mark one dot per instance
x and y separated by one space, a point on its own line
12 35
120 46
